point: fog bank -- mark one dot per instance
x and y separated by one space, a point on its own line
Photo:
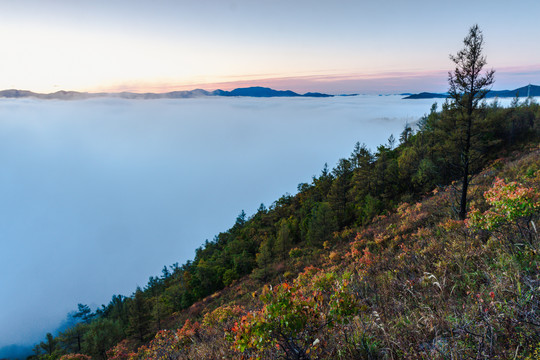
97 195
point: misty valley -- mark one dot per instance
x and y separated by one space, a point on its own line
99 194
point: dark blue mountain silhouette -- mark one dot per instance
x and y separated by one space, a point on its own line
524 91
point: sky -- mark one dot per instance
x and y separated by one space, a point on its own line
338 46
77 179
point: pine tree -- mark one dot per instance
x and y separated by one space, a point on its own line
468 86
139 316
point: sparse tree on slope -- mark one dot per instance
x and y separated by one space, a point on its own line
468 86
49 346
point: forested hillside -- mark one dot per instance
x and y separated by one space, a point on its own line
368 260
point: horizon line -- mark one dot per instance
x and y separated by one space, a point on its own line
224 89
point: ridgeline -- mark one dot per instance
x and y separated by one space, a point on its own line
524 91
255 91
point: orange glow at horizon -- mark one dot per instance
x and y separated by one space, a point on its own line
304 83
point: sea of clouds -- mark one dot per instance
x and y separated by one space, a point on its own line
98 195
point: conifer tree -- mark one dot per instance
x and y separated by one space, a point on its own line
468 86
49 345
139 316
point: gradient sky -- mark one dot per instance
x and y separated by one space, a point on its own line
305 45
56 156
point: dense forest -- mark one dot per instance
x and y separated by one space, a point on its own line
372 259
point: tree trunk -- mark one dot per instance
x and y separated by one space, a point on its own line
463 202
466 159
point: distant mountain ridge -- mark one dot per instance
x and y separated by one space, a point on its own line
532 90
255 91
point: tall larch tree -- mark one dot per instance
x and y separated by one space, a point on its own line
468 86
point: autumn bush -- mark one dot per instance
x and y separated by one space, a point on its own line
295 319
75 357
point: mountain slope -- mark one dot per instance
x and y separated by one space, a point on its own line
365 261
414 284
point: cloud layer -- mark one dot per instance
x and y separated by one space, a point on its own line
98 195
